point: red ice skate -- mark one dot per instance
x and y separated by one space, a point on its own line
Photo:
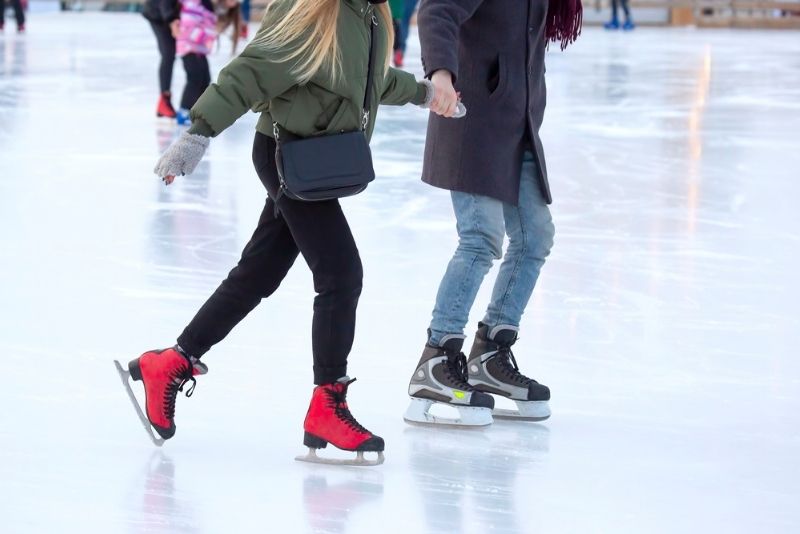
398 59
329 421
164 108
164 373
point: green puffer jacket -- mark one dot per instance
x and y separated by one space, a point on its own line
258 80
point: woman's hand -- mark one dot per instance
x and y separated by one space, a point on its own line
182 157
445 98
175 28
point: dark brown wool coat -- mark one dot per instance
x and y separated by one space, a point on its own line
495 50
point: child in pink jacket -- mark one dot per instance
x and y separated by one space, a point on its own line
195 40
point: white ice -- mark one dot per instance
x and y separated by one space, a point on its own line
666 321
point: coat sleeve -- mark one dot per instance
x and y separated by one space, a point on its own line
439 25
400 88
255 76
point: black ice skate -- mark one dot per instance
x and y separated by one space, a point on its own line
493 369
441 377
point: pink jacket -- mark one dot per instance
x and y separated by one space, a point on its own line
198 29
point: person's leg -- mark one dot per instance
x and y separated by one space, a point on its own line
628 25
530 232
166 47
198 77
19 13
405 23
479 221
323 237
614 10
2 13
264 263
625 9
492 367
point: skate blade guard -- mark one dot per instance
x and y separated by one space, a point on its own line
125 376
418 413
532 411
358 461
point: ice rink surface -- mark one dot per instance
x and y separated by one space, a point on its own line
666 321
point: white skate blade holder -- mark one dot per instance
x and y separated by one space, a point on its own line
358 461
418 413
125 376
532 411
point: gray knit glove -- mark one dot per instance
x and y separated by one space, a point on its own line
183 156
430 94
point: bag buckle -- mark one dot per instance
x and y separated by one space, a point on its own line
275 131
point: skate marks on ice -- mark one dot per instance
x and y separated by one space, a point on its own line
426 412
477 479
162 511
125 376
329 498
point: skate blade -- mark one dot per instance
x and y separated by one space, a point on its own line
359 460
532 411
125 376
418 414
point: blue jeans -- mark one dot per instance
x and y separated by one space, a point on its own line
405 22
482 223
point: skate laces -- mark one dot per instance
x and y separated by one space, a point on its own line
508 365
178 379
338 398
456 370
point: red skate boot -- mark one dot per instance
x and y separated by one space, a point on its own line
398 59
164 108
329 421
164 373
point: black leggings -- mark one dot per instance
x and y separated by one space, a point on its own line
198 77
625 8
18 12
317 230
166 46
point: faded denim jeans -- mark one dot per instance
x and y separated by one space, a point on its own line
482 223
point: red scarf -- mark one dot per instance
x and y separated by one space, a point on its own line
564 20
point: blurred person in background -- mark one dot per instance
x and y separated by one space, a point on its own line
397 8
613 24
164 16
409 8
230 14
19 14
243 31
201 22
195 38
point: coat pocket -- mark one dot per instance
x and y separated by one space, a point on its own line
501 76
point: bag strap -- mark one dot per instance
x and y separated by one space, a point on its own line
372 25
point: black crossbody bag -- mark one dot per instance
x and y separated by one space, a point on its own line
328 166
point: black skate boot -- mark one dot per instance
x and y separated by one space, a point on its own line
493 369
441 376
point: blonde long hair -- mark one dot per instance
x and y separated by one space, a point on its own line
306 34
